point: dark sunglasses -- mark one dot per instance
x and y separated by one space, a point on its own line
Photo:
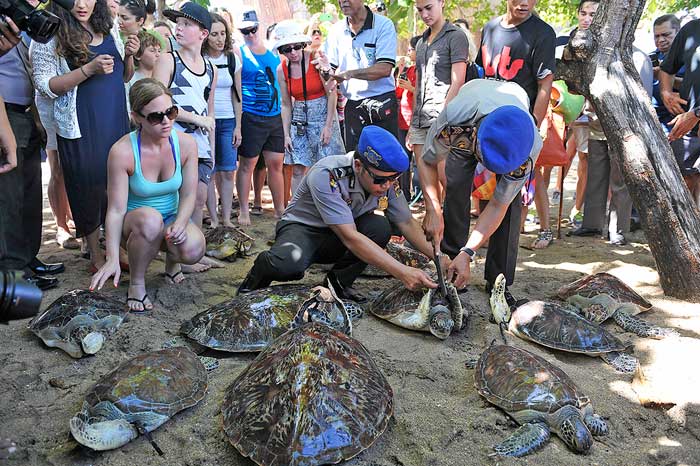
380 180
316 31
285 49
247 31
156 118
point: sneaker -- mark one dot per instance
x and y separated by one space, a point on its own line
617 240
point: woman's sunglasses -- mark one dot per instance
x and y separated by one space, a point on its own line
380 180
247 31
285 49
316 31
156 118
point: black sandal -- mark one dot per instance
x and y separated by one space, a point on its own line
173 276
142 301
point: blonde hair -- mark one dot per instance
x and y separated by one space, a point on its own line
144 91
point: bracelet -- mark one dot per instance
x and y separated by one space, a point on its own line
84 73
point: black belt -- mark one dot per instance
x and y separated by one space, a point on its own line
16 108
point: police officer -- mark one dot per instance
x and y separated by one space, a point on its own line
488 122
331 220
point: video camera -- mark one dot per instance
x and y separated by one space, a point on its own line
19 299
41 25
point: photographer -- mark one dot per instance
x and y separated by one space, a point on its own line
20 189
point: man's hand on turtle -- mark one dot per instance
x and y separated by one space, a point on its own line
433 226
415 279
459 271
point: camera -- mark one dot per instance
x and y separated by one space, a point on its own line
654 57
301 128
403 74
19 299
41 25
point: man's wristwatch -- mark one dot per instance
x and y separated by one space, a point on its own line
696 111
470 252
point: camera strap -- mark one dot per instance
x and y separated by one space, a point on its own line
303 84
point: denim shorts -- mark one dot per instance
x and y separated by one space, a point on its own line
226 155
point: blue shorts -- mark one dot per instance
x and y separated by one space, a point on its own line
226 156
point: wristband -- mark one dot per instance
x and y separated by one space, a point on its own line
469 252
84 73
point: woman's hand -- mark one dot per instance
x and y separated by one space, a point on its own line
110 268
176 233
132 45
288 143
405 84
101 64
326 134
237 137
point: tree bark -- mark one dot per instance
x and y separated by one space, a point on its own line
597 63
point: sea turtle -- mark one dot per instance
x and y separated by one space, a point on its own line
602 296
539 396
314 396
79 322
551 325
405 255
250 321
427 311
139 396
228 243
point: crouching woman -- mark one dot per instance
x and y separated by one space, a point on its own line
151 185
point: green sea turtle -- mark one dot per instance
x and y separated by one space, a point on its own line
405 255
426 311
79 322
250 321
314 396
552 325
602 296
537 395
228 243
138 397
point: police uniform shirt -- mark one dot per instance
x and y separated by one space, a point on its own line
476 99
330 194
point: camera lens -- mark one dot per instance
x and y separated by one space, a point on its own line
19 299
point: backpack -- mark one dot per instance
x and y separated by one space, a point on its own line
231 63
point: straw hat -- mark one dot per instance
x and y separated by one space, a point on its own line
290 32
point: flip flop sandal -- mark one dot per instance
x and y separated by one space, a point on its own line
174 276
256 210
142 301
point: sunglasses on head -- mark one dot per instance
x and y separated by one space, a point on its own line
380 180
251 30
156 118
285 49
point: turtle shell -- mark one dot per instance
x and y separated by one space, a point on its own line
552 325
75 314
228 243
163 382
514 380
396 300
248 322
312 397
403 254
603 283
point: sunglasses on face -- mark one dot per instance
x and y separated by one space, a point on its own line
380 180
288 48
248 31
156 118
316 31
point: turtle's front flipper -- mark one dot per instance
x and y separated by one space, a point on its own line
596 425
634 324
353 309
621 362
527 439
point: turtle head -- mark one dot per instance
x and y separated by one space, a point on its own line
573 431
499 305
440 321
102 435
92 342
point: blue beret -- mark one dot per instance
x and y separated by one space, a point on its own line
380 149
505 138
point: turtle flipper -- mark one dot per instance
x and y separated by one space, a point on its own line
527 439
634 324
209 363
353 309
621 362
596 425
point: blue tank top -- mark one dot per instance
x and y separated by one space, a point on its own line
259 86
163 196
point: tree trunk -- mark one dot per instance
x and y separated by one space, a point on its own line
598 63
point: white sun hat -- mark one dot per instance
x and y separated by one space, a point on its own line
290 32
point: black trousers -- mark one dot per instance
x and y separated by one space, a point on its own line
502 253
407 176
20 197
381 110
297 246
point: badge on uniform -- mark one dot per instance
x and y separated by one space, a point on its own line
383 203
397 189
332 182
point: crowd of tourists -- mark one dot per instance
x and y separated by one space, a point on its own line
155 131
